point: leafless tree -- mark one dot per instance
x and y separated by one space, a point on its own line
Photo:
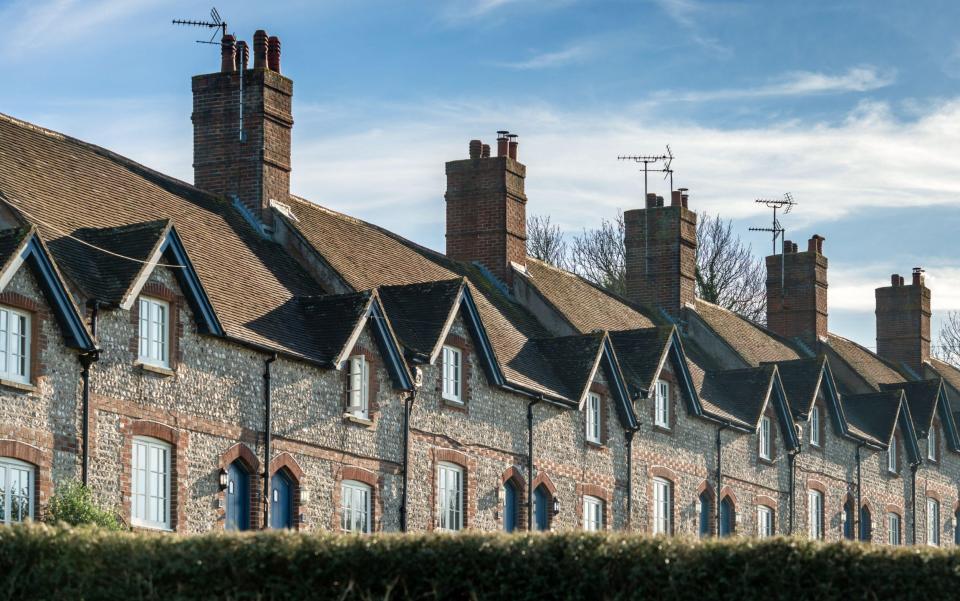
948 341
728 273
545 241
599 255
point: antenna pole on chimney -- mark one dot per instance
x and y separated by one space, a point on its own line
215 22
776 229
647 160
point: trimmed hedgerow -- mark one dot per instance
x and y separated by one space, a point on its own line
43 562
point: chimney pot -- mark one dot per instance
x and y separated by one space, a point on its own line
895 280
260 49
485 152
787 247
917 276
651 200
676 198
476 149
243 55
503 143
228 54
815 245
513 149
273 53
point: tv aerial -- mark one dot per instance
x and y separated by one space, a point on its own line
215 22
667 169
647 160
776 230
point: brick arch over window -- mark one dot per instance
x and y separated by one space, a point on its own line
179 443
544 480
604 494
174 325
365 476
241 452
705 487
665 473
818 486
727 493
469 466
38 316
286 463
41 463
934 494
890 508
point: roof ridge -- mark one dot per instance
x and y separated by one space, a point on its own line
615 296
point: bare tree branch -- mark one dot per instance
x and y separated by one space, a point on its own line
948 340
545 241
728 273
599 255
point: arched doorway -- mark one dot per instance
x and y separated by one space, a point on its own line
511 505
704 506
541 508
727 516
866 524
848 520
237 497
281 500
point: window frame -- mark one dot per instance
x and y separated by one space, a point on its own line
932 450
443 513
815 529
933 533
594 417
452 374
662 506
7 465
661 405
149 498
765 442
765 523
145 317
347 506
893 461
593 513
358 367
893 528
815 418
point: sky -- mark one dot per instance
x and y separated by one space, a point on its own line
852 107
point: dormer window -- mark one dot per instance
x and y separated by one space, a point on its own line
14 345
358 404
452 374
661 415
815 426
764 442
593 418
892 456
932 444
154 331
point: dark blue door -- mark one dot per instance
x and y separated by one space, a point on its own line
281 501
726 517
510 506
706 500
541 503
866 525
848 520
238 497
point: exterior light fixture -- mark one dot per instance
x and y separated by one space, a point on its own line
556 506
224 479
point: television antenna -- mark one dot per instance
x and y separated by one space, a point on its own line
647 160
668 170
777 230
215 22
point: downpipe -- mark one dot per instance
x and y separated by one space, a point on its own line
268 407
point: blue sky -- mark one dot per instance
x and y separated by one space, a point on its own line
853 107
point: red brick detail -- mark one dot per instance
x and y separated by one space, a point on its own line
466 358
286 463
486 213
599 492
797 298
371 479
903 322
726 491
933 494
373 382
817 485
174 324
705 487
38 340
890 508
241 452
544 480
42 462
765 500
659 471
661 266
669 475
512 473
179 442
469 466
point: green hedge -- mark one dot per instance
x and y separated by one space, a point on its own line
43 562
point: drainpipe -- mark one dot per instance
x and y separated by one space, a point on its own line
268 405
856 518
792 458
719 480
530 461
629 433
86 360
407 408
913 502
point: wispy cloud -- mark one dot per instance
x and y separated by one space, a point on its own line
546 60
796 83
689 14
460 11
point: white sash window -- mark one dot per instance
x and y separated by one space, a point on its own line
150 499
154 331
14 345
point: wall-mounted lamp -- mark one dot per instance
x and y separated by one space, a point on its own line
304 495
224 479
556 506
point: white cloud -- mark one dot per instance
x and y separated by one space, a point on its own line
547 60
689 14
460 11
796 83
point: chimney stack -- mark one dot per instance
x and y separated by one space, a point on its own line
903 321
661 254
797 292
486 207
252 166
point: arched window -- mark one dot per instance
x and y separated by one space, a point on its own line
511 505
866 524
705 507
238 497
541 508
848 519
17 493
727 516
281 500
355 514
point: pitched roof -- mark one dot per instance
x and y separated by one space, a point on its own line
339 315
420 312
922 396
751 341
870 368
874 414
801 382
584 305
742 393
65 185
641 352
573 358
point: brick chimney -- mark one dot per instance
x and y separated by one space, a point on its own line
797 292
903 321
252 168
661 266
486 207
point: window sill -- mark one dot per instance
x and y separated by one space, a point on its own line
595 445
155 369
360 421
764 461
20 386
451 401
458 405
663 429
147 528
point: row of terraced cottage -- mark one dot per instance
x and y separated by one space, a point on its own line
228 355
